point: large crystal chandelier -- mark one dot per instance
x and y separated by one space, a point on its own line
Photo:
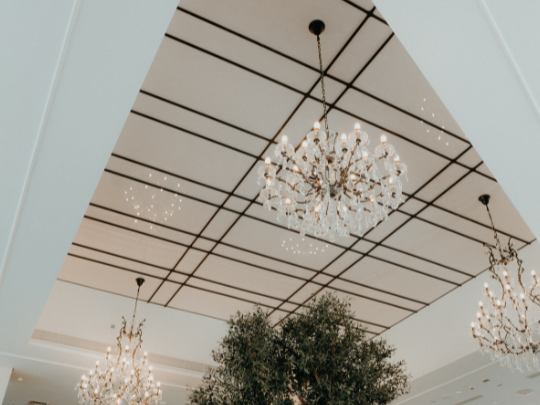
127 378
508 325
332 184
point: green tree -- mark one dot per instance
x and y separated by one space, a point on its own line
320 356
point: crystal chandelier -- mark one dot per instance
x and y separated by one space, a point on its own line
332 184
127 378
508 323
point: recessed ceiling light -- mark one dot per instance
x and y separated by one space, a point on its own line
19 379
446 396
524 393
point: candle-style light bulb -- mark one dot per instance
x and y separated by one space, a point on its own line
343 138
357 127
317 126
284 139
304 144
383 139
267 161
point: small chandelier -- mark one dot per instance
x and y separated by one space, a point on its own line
332 184
127 378
508 324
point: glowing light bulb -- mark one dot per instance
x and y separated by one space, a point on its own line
357 126
472 325
481 304
383 139
318 208
478 314
145 354
268 161
365 154
288 201
127 347
304 144
391 180
284 139
522 296
505 273
108 349
97 363
533 272
295 168
83 377
486 285
498 303
317 125
343 138
396 159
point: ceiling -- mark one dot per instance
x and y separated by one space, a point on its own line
226 82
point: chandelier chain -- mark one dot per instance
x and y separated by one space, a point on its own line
495 234
322 86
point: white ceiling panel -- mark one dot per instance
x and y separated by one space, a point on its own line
396 280
322 279
236 204
394 77
471 158
116 261
238 100
357 290
148 228
208 304
413 263
284 24
199 124
363 246
261 261
178 152
128 244
219 224
412 206
433 243
248 278
233 292
394 120
105 278
375 312
463 199
305 293
164 293
190 261
442 182
267 240
158 178
361 49
289 307
332 90
249 188
342 263
204 244
383 229
239 50
151 203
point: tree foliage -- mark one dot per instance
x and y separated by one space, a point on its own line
320 356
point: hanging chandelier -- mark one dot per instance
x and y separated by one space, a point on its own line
508 322
127 378
332 184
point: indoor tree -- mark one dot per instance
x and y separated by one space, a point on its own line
318 356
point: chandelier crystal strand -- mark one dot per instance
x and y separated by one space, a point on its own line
332 184
127 378
508 323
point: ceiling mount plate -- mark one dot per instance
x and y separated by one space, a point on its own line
316 27
484 199
140 281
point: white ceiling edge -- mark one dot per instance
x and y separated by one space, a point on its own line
59 131
5 374
482 60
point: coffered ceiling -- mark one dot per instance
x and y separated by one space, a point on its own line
228 79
